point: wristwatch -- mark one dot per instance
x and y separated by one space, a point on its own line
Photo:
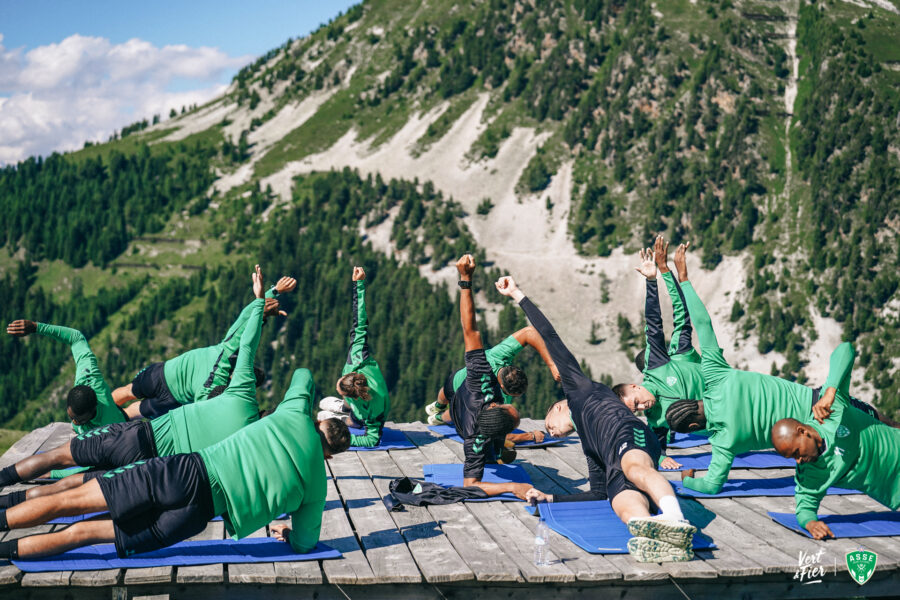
466 285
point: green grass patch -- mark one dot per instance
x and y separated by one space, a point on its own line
8 437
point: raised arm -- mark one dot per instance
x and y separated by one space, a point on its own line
471 336
85 361
571 376
359 335
655 355
529 336
244 379
681 342
300 393
717 474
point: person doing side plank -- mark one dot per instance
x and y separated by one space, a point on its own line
839 446
271 467
621 451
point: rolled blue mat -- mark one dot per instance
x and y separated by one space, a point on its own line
451 475
870 524
736 488
596 528
182 554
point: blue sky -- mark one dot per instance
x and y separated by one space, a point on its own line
76 70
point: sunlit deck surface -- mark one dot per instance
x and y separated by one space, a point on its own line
482 550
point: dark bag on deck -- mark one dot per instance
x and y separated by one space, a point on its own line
422 493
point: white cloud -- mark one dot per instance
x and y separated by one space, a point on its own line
55 97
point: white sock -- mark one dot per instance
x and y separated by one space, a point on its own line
670 508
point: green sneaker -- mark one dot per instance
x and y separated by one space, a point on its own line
435 420
677 533
650 550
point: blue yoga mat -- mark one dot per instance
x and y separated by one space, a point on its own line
687 440
182 554
391 439
871 524
448 431
736 488
595 527
750 460
76 518
451 475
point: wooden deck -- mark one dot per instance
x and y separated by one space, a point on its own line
481 550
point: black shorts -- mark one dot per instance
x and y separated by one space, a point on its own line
631 435
150 387
114 445
158 502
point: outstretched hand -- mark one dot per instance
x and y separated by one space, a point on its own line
648 264
660 252
257 282
537 495
680 262
819 530
21 327
466 265
286 284
272 308
359 274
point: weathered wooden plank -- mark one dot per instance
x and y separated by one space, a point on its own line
103 578
252 572
386 551
26 446
148 575
437 559
306 572
475 546
59 434
352 568
215 573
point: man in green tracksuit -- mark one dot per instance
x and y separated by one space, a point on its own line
839 446
90 403
185 429
364 401
274 466
670 373
190 376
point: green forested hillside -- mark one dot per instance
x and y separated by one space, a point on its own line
673 117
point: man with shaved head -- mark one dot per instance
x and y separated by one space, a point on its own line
839 446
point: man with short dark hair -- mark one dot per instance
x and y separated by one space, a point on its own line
477 410
189 377
839 446
272 467
621 451
90 403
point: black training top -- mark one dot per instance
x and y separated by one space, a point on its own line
481 389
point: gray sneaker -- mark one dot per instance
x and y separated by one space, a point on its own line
678 533
650 550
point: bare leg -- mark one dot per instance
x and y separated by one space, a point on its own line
31 467
84 533
66 483
446 418
84 499
630 504
640 470
123 395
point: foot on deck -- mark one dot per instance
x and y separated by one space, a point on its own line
649 550
677 533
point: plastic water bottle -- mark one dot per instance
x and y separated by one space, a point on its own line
541 541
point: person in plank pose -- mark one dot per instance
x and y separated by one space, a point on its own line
271 467
670 373
185 429
738 408
189 377
477 410
512 379
621 451
839 446
89 403
364 401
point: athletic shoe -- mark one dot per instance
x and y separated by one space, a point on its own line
678 533
435 419
435 408
327 414
650 550
332 404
